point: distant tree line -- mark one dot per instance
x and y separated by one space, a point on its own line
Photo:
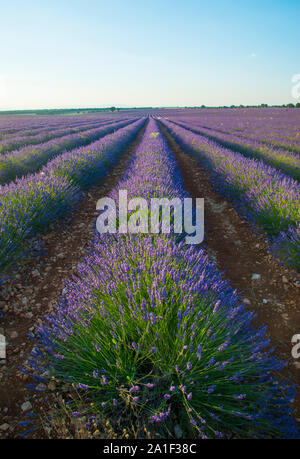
59 111
77 111
290 105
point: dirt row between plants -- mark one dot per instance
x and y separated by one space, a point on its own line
32 292
239 253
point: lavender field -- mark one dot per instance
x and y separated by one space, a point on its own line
141 335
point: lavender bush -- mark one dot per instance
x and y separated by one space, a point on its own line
284 160
31 158
47 130
150 332
275 127
267 197
28 205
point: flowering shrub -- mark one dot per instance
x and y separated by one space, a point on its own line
30 204
39 135
149 329
267 197
32 157
285 160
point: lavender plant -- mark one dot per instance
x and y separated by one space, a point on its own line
284 160
28 205
276 127
150 332
31 158
266 197
24 138
47 130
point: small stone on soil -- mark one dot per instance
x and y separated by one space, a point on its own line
4 427
26 406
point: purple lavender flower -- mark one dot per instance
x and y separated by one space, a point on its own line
82 386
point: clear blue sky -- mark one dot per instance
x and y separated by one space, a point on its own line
88 53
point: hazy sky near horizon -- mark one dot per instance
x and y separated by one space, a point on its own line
71 53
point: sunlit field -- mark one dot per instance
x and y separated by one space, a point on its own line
139 334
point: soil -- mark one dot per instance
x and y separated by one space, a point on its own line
31 291
239 253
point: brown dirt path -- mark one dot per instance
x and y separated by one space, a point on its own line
239 253
34 292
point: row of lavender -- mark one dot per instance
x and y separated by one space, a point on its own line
149 332
29 205
276 127
14 125
284 160
265 196
23 139
30 158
